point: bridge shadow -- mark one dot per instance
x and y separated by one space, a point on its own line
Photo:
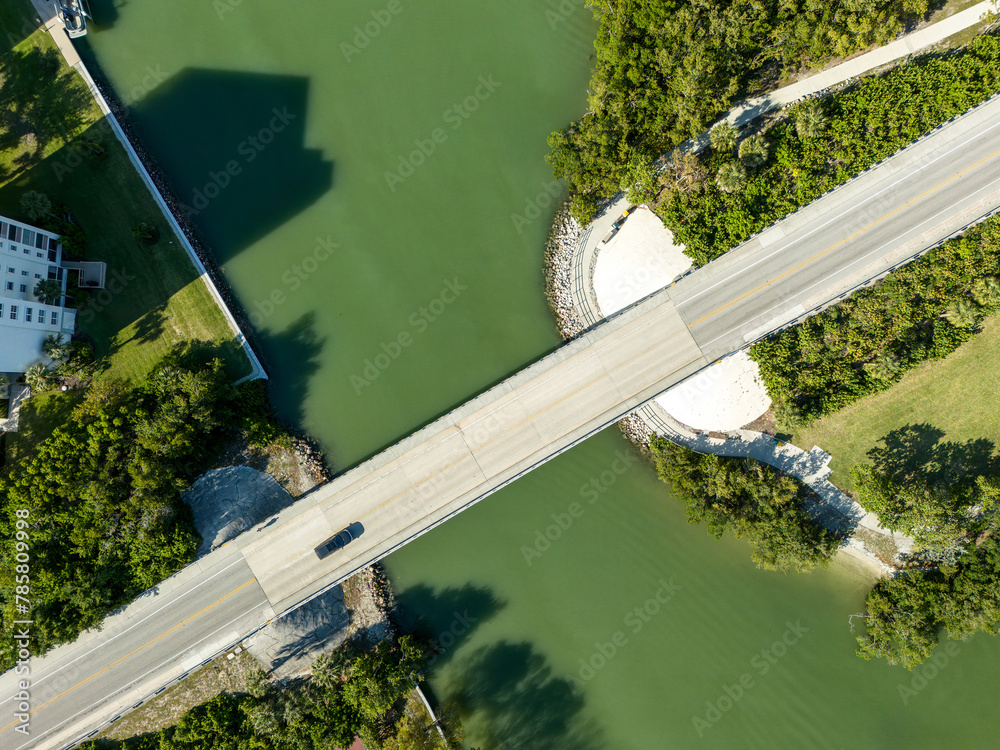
239 166
916 453
519 702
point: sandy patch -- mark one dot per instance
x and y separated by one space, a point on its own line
722 397
639 260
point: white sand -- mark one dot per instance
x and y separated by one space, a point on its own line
641 259
636 262
722 397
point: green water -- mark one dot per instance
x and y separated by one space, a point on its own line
280 138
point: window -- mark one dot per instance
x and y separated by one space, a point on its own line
24 273
38 276
27 251
10 286
38 255
27 315
24 288
13 312
55 318
10 269
1 311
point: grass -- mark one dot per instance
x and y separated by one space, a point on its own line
955 395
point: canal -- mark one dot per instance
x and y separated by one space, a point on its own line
370 178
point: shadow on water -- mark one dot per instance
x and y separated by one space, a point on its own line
520 702
447 617
104 14
240 169
300 347
916 453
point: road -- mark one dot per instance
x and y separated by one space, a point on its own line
856 233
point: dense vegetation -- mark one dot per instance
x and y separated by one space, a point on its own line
665 70
751 500
101 518
348 694
821 144
906 614
864 344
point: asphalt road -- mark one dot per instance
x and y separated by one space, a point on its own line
853 234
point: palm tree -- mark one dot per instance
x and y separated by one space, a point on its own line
987 292
731 176
146 234
35 204
810 119
48 291
754 150
38 378
962 314
54 347
723 137
883 368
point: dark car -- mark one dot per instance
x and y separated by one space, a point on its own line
334 543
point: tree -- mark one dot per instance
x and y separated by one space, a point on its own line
885 367
38 377
54 347
986 292
723 137
377 679
731 177
48 291
684 172
810 119
35 204
754 150
145 234
749 499
962 313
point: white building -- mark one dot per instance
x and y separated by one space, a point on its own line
28 255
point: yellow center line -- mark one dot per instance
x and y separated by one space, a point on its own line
844 241
135 651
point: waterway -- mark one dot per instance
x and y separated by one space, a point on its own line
371 180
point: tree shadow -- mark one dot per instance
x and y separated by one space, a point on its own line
17 23
511 688
39 103
294 360
449 616
240 167
916 452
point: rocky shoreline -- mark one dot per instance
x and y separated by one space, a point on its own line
560 247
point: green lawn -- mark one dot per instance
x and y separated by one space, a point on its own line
956 395
154 298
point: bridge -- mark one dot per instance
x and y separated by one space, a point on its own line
887 216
